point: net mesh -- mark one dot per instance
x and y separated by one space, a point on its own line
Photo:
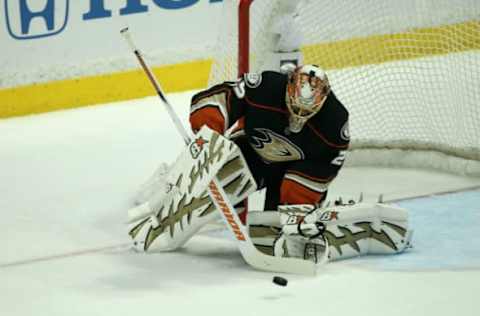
408 71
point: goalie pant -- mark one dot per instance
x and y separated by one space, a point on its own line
350 230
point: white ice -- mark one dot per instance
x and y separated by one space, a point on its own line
67 179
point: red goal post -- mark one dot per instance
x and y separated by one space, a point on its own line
243 36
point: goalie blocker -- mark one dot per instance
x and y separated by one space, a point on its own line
180 206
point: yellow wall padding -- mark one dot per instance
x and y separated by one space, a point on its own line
57 95
72 93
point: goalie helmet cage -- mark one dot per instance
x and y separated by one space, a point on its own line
408 71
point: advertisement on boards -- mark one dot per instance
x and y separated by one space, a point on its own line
63 34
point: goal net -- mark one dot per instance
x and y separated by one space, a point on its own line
408 71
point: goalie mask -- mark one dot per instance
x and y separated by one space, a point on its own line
307 90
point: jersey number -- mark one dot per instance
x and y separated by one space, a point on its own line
340 159
238 88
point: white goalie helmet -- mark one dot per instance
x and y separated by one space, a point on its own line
307 90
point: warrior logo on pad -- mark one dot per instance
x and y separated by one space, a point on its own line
196 147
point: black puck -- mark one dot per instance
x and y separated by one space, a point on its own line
280 281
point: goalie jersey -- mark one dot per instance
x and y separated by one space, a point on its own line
296 168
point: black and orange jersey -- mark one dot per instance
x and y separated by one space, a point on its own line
255 107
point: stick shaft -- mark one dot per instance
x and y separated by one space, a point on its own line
178 124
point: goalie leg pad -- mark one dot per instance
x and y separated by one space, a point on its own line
153 185
176 215
264 229
365 228
347 231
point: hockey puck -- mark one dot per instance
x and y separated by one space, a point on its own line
280 281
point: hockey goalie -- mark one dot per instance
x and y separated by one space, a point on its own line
283 131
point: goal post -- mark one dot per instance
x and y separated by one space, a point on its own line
243 36
407 71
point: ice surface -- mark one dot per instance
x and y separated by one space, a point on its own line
67 179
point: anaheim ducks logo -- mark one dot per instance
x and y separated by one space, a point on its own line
274 147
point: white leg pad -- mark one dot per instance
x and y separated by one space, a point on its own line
350 230
173 217
365 228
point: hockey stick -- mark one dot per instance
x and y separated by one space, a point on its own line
181 129
249 252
